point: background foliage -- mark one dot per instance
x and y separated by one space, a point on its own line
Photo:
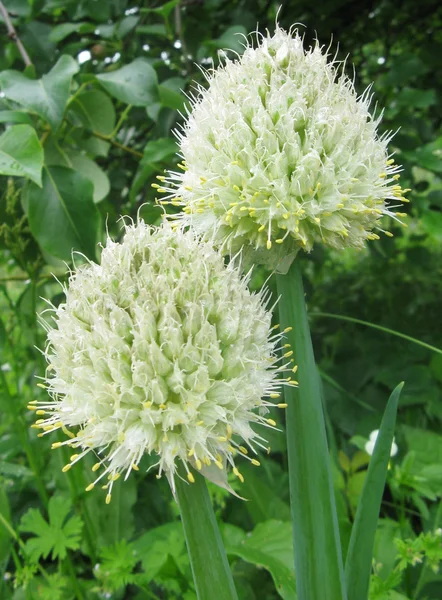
84 130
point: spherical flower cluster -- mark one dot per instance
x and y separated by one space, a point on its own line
160 349
279 152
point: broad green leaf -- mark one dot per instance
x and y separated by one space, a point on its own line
425 444
270 546
95 111
62 31
412 97
135 83
262 503
55 536
126 25
89 168
318 552
15 116
171 94
46 96
360 551
62 215
21 153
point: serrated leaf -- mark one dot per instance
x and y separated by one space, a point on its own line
62 214
135 83
21 154
57 535
46 96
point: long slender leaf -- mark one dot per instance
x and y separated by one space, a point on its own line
379 328
210 567
318 558
360 550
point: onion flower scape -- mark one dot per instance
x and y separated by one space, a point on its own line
280 152
161 349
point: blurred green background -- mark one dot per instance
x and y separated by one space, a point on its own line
86 124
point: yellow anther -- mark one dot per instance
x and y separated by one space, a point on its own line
295 368
108 498
390 162
266 201
135 467
288 354
243 450
199 464
274 396
219 464
236 188
287 329
190 477
162 406
161 178
66 468
191 452
147 404
234 162
155 186
39 421
188 188
286 346
40 412
279 240
116 476
56 445
42 385
383 175
282 405
255 462
165 438
244 208
229 431
269 245
73 457
40 434
261 228
295 383
271 422
388 233
203 179
286 216
222 438
90 487
29 407
238 474
396 177
200 423
277 326
207 461
96 467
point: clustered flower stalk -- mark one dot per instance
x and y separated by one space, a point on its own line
161 350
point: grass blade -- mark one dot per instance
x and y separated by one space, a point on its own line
318 558
210 567
360 549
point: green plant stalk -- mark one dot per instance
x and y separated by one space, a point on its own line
360 549
208 559
318 555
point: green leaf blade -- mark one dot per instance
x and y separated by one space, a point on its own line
21 154
62 214
360 551
135 83
46 96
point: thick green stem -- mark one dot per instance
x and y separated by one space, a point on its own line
318 557
210 567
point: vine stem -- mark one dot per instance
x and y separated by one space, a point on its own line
12 34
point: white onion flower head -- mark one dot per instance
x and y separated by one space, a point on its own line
160 349
369 446
279 153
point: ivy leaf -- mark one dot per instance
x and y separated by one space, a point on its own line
57 536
